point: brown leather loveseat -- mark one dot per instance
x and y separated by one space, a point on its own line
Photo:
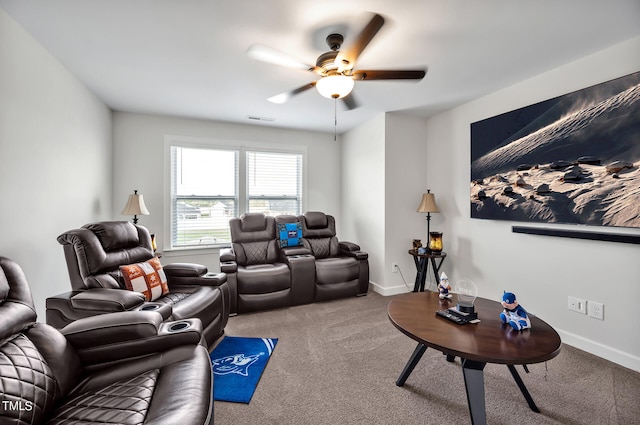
95 255
124 368
288 260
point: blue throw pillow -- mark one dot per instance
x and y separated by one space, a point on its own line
290 234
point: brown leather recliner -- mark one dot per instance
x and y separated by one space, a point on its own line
94 254
263 275
257 275
342 269
125 368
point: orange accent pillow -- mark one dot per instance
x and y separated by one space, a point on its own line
147 278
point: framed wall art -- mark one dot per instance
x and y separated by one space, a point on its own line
571 159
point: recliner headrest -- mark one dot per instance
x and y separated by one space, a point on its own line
16 305
316 219
115 234
253 222
4 286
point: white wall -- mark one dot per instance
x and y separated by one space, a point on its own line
543 271
139 160
55 159
384 171
363 192
405 170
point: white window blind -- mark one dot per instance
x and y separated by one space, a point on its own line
274 183
208 187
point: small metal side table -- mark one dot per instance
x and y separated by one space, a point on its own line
422 262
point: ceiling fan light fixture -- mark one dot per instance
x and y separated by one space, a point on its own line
335 86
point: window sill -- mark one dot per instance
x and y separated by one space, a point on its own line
198 250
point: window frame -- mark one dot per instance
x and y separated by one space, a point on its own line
242 147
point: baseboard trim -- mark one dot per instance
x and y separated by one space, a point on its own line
388 291
613 355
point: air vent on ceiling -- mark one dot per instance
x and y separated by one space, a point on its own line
257 118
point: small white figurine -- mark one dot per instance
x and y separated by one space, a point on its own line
444 287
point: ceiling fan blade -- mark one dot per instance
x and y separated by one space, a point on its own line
283 97
347 57
350 101
267 54
417 74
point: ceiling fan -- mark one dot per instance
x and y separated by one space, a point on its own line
335 67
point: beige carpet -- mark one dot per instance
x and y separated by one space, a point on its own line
337 363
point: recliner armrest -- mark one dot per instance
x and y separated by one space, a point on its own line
192 274
227 254
349 246
289 251
229 267
184 270
106 300
228 263
351 249
110 338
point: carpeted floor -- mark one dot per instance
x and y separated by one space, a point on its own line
337 363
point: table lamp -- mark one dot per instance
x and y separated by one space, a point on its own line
135 206
428 205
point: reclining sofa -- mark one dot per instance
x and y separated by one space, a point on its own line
98 257
290 260
117 368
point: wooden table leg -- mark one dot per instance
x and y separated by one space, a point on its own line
424 269
436 269
474 384
411 364
419 274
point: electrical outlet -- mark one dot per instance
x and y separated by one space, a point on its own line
394 267
596 310
578 305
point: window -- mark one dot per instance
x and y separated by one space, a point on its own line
274 183
210 185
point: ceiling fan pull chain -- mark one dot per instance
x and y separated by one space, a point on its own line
335 119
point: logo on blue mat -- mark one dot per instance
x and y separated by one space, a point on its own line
238 363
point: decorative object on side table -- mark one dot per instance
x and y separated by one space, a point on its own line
416 244
444 287
514 314
435 242
135 206
428 205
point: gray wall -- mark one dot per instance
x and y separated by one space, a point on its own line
543 271
60 167
55 159
140 162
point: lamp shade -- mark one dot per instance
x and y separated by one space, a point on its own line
135 205
335 86
428 203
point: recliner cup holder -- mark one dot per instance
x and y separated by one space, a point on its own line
179 326
150 307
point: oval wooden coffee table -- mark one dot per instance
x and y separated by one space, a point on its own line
489 341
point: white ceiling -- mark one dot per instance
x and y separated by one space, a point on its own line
188 57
